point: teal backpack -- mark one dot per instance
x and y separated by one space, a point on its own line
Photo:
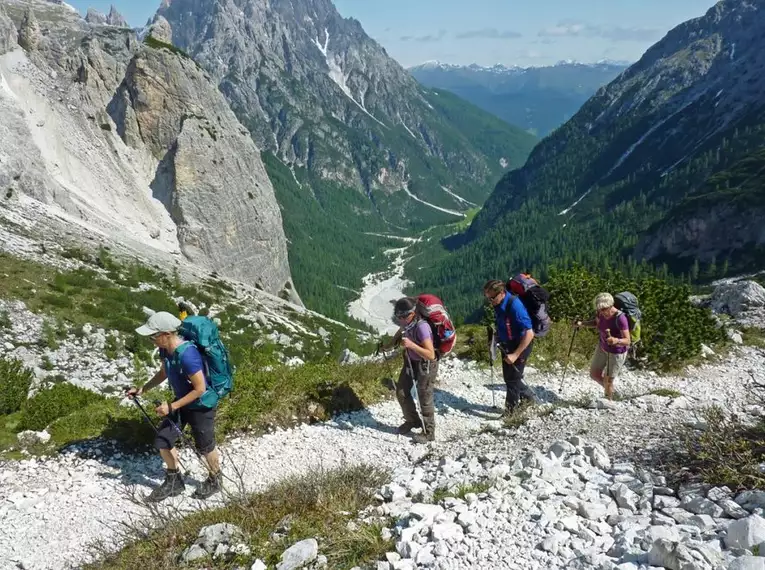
203 332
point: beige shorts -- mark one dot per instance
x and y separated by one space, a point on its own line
610 364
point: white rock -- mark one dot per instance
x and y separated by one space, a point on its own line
745 533
562 449
425 558
593 511
258 565
299 554
194 552
624 497
732 509
683 556
425 512
738 297
718 494
446 531
748 563
31 438
703 522
701 506
663 502
598 456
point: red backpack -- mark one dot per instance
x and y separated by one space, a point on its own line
432 309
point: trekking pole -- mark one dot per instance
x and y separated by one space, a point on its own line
568 357
492 357
185 439
414 386
134 398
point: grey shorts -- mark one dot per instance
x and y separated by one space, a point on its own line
608 363
202 424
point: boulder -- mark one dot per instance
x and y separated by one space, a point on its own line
738 297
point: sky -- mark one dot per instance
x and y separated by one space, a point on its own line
486 32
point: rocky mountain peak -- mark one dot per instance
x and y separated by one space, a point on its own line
95 17
143 131
115 18
29 33
320 94
8 33
662 164
160 30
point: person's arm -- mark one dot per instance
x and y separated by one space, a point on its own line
192 366
588 324
526 339
156 380
394 341
624 339
520 315
198 388
425 350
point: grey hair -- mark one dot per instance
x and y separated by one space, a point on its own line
603 301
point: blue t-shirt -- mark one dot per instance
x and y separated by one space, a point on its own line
513 319
178 372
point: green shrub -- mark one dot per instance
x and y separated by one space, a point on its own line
56 402
311 391
153 42
727 452
673 329
15 381
104 419
5 320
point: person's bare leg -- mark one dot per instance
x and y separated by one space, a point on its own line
213 461
608 387
170 457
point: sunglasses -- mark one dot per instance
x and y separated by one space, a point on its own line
403 315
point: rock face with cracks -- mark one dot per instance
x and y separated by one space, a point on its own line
131 139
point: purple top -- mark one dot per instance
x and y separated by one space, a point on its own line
615 324
419 334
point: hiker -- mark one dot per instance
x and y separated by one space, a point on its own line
420 366
187 378
611 351
515 335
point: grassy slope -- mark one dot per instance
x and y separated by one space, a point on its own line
267 393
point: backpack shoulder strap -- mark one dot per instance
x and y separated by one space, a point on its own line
178 354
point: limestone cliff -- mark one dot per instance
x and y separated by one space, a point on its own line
132 139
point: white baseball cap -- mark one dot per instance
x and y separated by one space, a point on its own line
158 323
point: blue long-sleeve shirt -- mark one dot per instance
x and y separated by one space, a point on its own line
512 320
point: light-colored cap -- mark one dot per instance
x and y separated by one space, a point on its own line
159 322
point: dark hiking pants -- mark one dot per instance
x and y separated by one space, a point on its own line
425 375
513 375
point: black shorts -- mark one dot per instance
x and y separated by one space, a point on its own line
202 424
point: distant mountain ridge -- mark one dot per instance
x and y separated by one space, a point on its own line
354 143
538 99
663 166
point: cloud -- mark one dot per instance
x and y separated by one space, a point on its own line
572 28
426 38
488 34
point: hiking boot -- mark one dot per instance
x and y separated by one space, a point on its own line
209 487
407 427
172 486
423 438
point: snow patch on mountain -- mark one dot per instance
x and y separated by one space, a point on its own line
337 75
